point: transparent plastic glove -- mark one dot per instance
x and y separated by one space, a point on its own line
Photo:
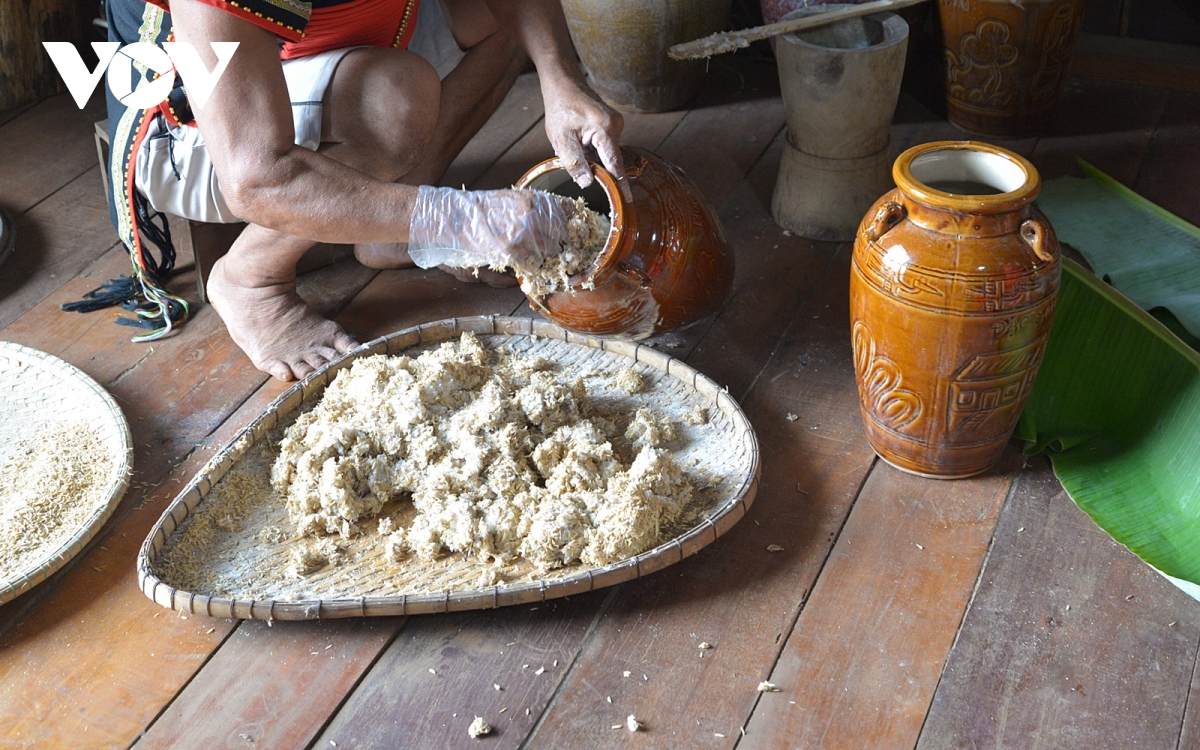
494 228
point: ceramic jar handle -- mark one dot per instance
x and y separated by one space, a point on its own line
889 215
1034 234
638 277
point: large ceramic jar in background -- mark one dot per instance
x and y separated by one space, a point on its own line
624 46
1006 61
666 263
953 286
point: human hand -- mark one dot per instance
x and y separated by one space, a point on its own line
494 228
576 120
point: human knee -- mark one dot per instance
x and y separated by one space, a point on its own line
385 105
406 115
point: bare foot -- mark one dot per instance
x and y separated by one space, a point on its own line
274 327
383 255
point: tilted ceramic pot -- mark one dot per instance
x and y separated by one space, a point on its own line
666 263
953 286
1006 61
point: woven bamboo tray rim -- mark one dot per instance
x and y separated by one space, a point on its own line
59 388
720 519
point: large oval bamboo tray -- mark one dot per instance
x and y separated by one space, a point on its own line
39 391
373 586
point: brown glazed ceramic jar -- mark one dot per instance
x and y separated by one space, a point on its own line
665 265
953 285
1006 61
623 46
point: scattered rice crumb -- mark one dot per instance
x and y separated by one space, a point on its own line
539 670
479 727
626 673
774 548
767 687
705 645
791 417
632 723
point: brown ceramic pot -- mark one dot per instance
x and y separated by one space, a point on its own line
665 265
953 286
1006 61
624 48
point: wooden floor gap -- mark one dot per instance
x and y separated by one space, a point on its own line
337 709
781 644
1137 175
800 309
59 189
987 555
167 706
605 607
1187 703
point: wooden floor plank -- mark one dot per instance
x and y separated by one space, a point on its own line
11 114
443 670
322 661
55 241
1108 124
520 111
46 147
716 145
735 594
1071 642
1169 173
862 664
1189 736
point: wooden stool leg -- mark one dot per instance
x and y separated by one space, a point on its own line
209 242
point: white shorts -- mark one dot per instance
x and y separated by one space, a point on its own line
174 170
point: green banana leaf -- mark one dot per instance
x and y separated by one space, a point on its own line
1148 253
1116 405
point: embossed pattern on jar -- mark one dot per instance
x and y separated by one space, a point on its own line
1005 62
952 296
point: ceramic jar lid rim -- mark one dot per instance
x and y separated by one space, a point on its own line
616 203
1024 191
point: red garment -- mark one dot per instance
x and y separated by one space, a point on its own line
372 23
366 23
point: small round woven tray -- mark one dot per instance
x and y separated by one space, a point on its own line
368 584
39 392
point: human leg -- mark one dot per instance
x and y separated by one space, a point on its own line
470 94
377 119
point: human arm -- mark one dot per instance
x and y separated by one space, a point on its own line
268 180
576 118
265 177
